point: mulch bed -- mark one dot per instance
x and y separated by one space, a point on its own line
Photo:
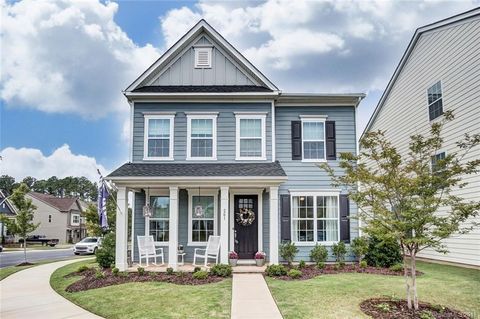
311 271
386 308
90 281
24 264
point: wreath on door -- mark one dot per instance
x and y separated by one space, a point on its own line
245 217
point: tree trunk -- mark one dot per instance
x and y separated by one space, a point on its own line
25 248
414 279
405 275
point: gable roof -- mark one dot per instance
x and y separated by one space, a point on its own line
427 28
62 204
9 209
201 26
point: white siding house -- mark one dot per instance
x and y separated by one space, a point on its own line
442 61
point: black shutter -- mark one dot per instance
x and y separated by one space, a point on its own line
285 218
344 218
330 140
296 140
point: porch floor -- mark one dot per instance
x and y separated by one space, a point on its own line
189 267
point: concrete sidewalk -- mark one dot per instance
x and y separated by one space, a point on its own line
27 294
251 298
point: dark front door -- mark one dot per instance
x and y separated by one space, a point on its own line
246 225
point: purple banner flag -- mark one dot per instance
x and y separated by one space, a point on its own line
102 204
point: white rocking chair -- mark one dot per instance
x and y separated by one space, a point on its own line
212 250
147 249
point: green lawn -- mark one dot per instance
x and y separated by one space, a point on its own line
338 296
148 300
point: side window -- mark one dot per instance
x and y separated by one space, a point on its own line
158 137
435 102
49 218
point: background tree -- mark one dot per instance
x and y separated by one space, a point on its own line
22 224
91 216
6 183
29 181
400 195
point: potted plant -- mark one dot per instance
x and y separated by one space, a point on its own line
233 258
260 258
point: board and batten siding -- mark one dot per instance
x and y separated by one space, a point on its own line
306 175
451 55
226 124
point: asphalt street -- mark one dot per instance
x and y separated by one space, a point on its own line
12 258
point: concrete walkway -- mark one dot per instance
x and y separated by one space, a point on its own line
251 298
27 294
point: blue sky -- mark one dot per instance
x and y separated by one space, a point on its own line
65 63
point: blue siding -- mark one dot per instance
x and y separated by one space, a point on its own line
225 126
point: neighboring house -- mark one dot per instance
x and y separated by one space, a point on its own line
8 210
59 218
212 137
439 71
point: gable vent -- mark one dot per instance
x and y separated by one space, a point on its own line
203 57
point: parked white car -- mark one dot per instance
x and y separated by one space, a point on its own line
88 245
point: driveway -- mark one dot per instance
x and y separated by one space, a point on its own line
11 258
27 294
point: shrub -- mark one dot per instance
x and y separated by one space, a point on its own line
319 254
82 268
396 267
99 274
359 247
301 264
221 270
339 251
384 307
294 273
180 274
170 271
115 271
106 253
288 251
425 314
383 253
196 269
141 271
320 265
276 270
201 274
363 264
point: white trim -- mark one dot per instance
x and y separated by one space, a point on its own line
195 94
253 116
209 63
197 116
132 231
198 178
246 191
130 132
157 193
274 234
171 137
203 192
72 223
201 113
159 113
250 113
274 139
314 119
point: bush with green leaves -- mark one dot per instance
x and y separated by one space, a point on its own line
363 264
170 271
276 270
359 247
301 264
396 267
426 314
196 269
294 273
106 252
221 270
383 253
201 274
115 271
141 271
288 251
319 254
82 268
99 274
339 251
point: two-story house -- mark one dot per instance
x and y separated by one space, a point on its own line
217 149
7 210
439 71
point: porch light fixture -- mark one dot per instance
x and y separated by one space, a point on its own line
198 212
147 209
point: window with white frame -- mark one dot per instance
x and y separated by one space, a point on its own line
159 224
313 139
202 137
250 142
315 218
202 222
158 137
75 219
435 102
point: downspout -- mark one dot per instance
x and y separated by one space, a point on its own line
273 132
357 149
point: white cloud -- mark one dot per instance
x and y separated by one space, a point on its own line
22 162
68 57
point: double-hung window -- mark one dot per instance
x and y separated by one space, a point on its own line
202 137
435 159
313 139
435 101
159 137
315 218
202 213
158 223
250 144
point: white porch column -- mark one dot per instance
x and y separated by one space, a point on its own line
224 217
121 229
173 238
274 225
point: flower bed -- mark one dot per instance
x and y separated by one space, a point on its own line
91 279
311 271
385 308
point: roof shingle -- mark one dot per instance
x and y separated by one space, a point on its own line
62 204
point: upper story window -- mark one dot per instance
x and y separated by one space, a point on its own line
203 57
49 218
313 139
158 137
159 223
435 101
251 140
75 219
202 137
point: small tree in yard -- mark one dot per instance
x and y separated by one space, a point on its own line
399 196
359 247
22 224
